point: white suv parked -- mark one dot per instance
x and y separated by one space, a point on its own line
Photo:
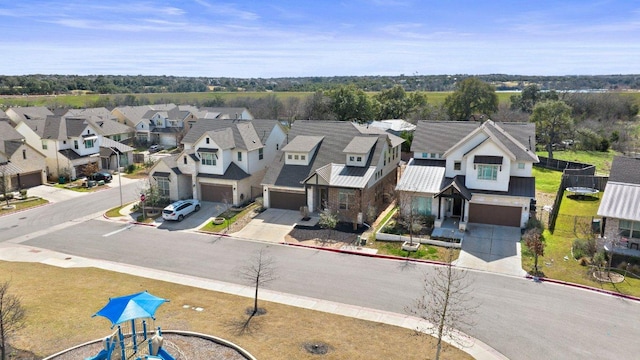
179 209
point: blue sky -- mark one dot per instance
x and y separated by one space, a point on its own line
280 38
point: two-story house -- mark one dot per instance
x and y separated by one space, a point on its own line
222 161
346 167
21 166
69 144
471 172
167 127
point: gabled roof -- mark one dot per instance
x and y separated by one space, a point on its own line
223 138
336 135
360 145
105 127
340 175
10 139
108 143
100 112
247 134
31 112
303 143
625 170
457 183
440 136
133 113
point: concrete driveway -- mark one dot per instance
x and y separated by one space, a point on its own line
194 220
492 248
273 225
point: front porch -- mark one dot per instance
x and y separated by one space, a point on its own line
625 247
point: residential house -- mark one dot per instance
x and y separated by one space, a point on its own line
217 113
18 114
69 144
346 167
21 166
620 204
105 123
222 161
471 172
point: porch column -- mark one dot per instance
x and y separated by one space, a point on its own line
439 207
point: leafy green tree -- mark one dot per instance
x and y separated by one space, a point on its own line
348 103
472 96
396 103
529 97
553 122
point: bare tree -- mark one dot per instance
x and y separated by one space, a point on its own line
446 304
12 316
90 168
534 241
328 220
259 271
4 182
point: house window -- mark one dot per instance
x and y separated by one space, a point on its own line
163 186
487 172
346 199
75 144
359 159
289 156
260 154
303 157
239 155
521 166
24 154
425 155
277 146
88 144
457 165
44 145
352 158
206 140
433 155
117 137
295 157
208 159
184 160
421 205
629 228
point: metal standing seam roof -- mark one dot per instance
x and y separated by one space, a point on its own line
423 179
340 175
621 201
9 169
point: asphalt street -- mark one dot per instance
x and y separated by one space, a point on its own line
520 318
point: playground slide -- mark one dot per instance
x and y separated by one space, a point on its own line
102 355
165 355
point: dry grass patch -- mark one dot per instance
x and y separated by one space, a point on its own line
60 303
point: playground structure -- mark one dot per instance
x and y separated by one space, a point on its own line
133 338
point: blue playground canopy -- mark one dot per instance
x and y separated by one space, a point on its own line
130 307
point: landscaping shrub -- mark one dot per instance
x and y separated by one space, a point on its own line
8 196
584 247
23 193
584 261
534 223
131 168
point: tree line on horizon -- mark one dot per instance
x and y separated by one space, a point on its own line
115 84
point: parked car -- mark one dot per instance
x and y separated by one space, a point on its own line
154 148
179 209
100 175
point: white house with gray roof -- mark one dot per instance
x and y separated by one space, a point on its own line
471 172
222 161
21 166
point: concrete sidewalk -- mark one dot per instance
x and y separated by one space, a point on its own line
14 252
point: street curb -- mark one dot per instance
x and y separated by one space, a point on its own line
27 209
389 257
398 258
584 287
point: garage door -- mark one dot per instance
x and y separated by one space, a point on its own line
27 180
286 200
217 193
495 215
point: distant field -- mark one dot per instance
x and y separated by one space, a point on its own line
84 100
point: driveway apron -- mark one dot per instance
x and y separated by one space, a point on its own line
271 225
492 248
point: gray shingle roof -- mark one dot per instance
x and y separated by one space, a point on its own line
336 136
360 145
625 170
247 134
32 112
303 143
440 136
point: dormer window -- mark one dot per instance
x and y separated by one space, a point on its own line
457 165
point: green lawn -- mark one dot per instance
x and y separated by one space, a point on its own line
547 180
558 263
602 160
